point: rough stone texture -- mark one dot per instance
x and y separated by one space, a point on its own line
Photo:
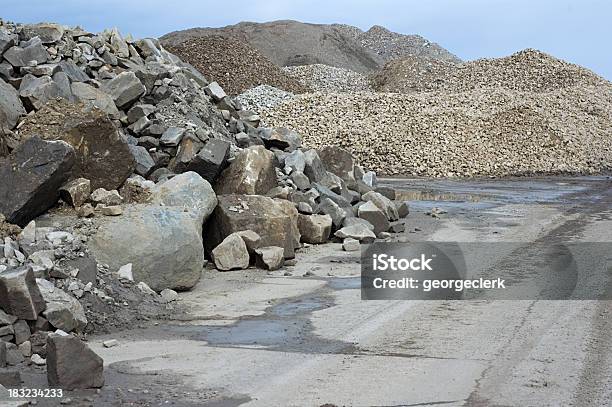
356 231
102 155
31 178
47 32
251 239
263 97
62 310
187 191
402 209
20 57
11 107
315 229
211 159
383 203
325 78
370 212
351 245
252 172
72 365
281 138
231 254
269 257
124 89
94 98
340 162
142 160
261 214
35 92
76 192
329 207
174 261
19 294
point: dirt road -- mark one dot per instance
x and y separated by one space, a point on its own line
303 337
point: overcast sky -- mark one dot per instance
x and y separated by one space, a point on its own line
579 31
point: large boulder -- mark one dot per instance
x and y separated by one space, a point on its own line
31 178
63 311
383 203
94 98
252 173
211 159
313 166
10 106
47 32
125 88
163 243
35 92
34 51
375 216
19 294
71 364
340 162
261 214
231 254
102 154
189 191
281 138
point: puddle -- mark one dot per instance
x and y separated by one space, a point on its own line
301 306
346 283
408 195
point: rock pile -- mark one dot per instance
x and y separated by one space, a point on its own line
263 97
526 71
234 64
324 78
490 131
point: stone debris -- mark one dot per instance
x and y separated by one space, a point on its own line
314 229
71 364
231 253
329 79
111 343
263 97
351 245
216 56
269 257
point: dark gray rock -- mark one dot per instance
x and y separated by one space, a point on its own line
19 294
31 178
281 138
314 168
72 365
35 92
74 73
124 89
144 162
10 106
20 57
211 159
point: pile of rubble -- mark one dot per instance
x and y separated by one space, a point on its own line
234 64
388 45
263 97
481 132
526 71
324 78
127 170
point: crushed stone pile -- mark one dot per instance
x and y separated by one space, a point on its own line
263 97
387 45
234 64
528 70
324 78
487 132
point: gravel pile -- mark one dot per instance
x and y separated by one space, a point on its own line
529 70
324 78
480 132
388 45
234 64
263 97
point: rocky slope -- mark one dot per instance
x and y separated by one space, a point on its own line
234 64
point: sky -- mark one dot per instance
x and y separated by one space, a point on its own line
579 31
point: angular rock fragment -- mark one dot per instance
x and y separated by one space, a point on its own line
281 138
329 207
71 364
313 166
231 254
269 257
19 294
315 229
358 232
92 97
104 197
63 311
172 137
124 89
251 239
144 164
19 57
340 162
351 245
261 214
375 216
11 107
47 32
252 172
76 192
35 92
215 91
31 178
211 159
383 203
402 209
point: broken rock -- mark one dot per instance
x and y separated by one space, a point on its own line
358 232
269 257
19 293
375 216
76 192
63 311
252 172
71 364
10 106
315 229
231 254
124 89
31 178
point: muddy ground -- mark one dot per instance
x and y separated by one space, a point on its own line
302 336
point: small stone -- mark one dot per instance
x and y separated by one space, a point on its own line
110 343
85 211
76 192
114 210
38 360
125 272
109 198
351 245
270 257
168 295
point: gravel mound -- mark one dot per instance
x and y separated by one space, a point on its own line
234 64
263 97
529 70
388 45
494 131
289 43
324 78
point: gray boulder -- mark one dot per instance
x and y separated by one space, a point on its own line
76 192
72 70
35 92
188 191
47 32
340 162
296 161
329 207
231 254
281 138
71 364
383 203
357 232
215 91
93 97
315 229
252 172
211 159
269 257
144 164
10 106
31 178
20 57
19 294
63 311
163 243
313 167
375 216
124 89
